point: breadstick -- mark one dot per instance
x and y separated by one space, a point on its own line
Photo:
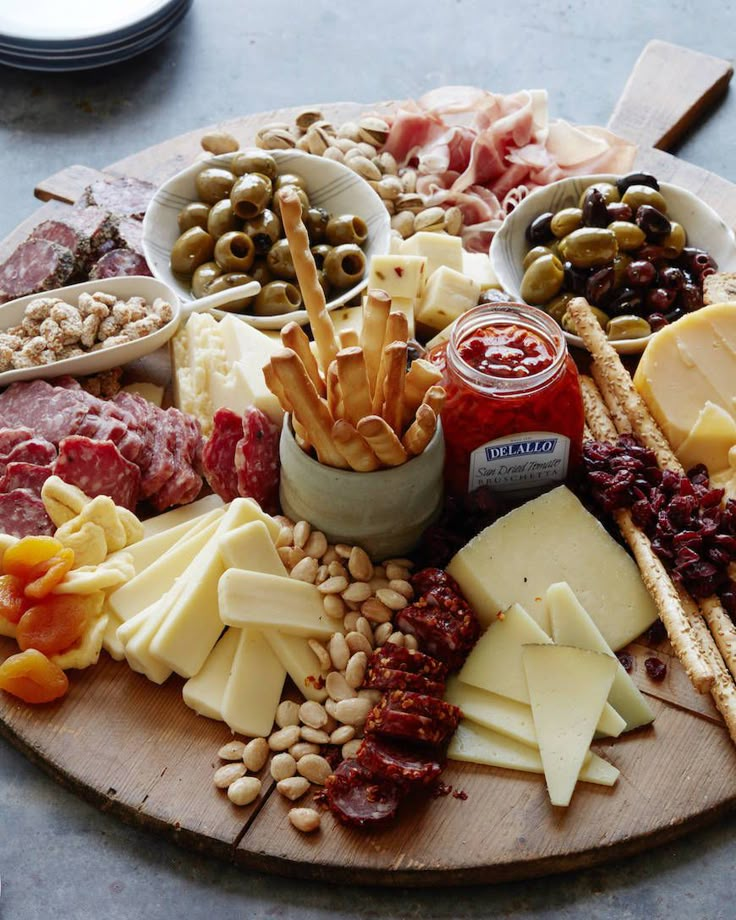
353 379
421 376
306 273
333 390
274 385
420 432
383 440
620 418
435 398
309 409
723 629
397 328
375 313
354 448
295 338
393 385
349 338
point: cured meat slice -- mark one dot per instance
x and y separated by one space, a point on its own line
51 412
98 468
22 514
97 224
185 483
63 233
119 262
9 437
159 464
34 450
218 456
130 234
405 659
34 266
19 475
426 579
382 678
102 428
358 798
413 716
444 625
122 195
257 460
403 763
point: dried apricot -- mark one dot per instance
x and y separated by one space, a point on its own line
32 677
45 576
54 624
13 603
20 558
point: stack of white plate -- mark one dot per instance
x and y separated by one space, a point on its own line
57 35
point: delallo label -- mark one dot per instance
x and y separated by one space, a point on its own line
525 462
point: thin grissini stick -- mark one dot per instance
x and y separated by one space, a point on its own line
383 440
435 398
723 629
421 376
349 338
334 398
375 313
393 385
420 432
295 338
397 330
309 409
354 447
306 273
620 418
354 387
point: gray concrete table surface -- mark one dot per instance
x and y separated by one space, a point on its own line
58 856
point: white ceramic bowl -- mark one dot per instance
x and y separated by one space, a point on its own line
11 314
329 184
704 228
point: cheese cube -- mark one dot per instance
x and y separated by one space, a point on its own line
399 276
149 391
449 294
437 248
253 689
477 265
347 318
181 515
709 440
204 692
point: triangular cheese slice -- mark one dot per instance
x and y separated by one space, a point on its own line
498 713
572 625
568 688
710 439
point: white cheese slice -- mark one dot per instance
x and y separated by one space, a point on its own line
149 391
253 689
271 602
553 538
568 688
204 692
149 549
181 515
475 744
437 248
448 295
110 642
709 441
572 625
399 276
499 713
138 647
300 662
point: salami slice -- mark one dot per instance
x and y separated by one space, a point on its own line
98 225
51 412
22 514
403 763
98 468
119 262
382 678
414 717
29 476
130 234
122 195
34 266
158 465
218 457
257 460
63 233
426 579
9 437
404 659
34 450
185 483
358 798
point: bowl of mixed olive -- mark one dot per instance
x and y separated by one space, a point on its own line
637 249
216 225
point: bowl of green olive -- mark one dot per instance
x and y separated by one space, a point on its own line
637 249
216 225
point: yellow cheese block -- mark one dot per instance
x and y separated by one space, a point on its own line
448 295
182 515
437 248
477 265
687 364
253 689
204 692
398 275
347 318
709 440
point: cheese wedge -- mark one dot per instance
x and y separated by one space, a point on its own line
553 538
253 689
205 691
492 711
568 688
138 647
477 265
448 295
475 744
573 625
181 515
709 441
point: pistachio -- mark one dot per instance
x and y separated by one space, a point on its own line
363 167
306 118
218 142
275 137
303 143
389 188
403 222
373 130
344 144
408 178
350 131
430 220
386 162
334 153
317 140
410 201
453 220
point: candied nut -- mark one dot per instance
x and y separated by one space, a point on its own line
397 638
287 714
354 711
140 328
350 622
255 754
339 651
302 748
283 766
411 642
218 142
357 592
233 750
163 309
244 790
355 671
90 328
39 308
323 656
392 599
382 632
285 537
305 570
293 787
360 565
335 584
115 340
343 550
357 642
312 714
316 545
315 735
338 689
305 820
283 739
375 611
350 749
315 768
228 774
302 532
343 734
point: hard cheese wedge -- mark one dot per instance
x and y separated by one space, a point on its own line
709 440
553 538
475 744
492 711
204 692
148 391
254 686
181 515
568 688
572 625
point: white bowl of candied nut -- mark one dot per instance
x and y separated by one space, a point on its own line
85 328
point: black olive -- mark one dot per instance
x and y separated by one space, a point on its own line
636 179
617 210
595 212
627 302
653 222
576 279
539 230
600 284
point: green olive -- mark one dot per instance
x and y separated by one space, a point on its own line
320 254
264 230
542 280
280 262
193 247
227 281
214 183
324 282
589 246
301 194
204 275
534 254
607 189
235 252
565 221
627 327
675 241
620 264
347 228
289 179
277 297
259 162
628 236
193 215
636 195
250 195
344 265
221 219
557 307
260 272
316 221
568 323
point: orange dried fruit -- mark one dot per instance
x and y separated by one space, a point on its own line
32 677
13 603
56 623
45 576
20 558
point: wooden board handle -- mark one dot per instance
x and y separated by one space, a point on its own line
670 90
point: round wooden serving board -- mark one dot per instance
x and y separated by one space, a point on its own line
134 748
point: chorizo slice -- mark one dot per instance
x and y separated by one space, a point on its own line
400 762
413 716
398 658
359 798
382 678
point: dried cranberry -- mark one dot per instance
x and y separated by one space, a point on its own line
656 669
626 661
